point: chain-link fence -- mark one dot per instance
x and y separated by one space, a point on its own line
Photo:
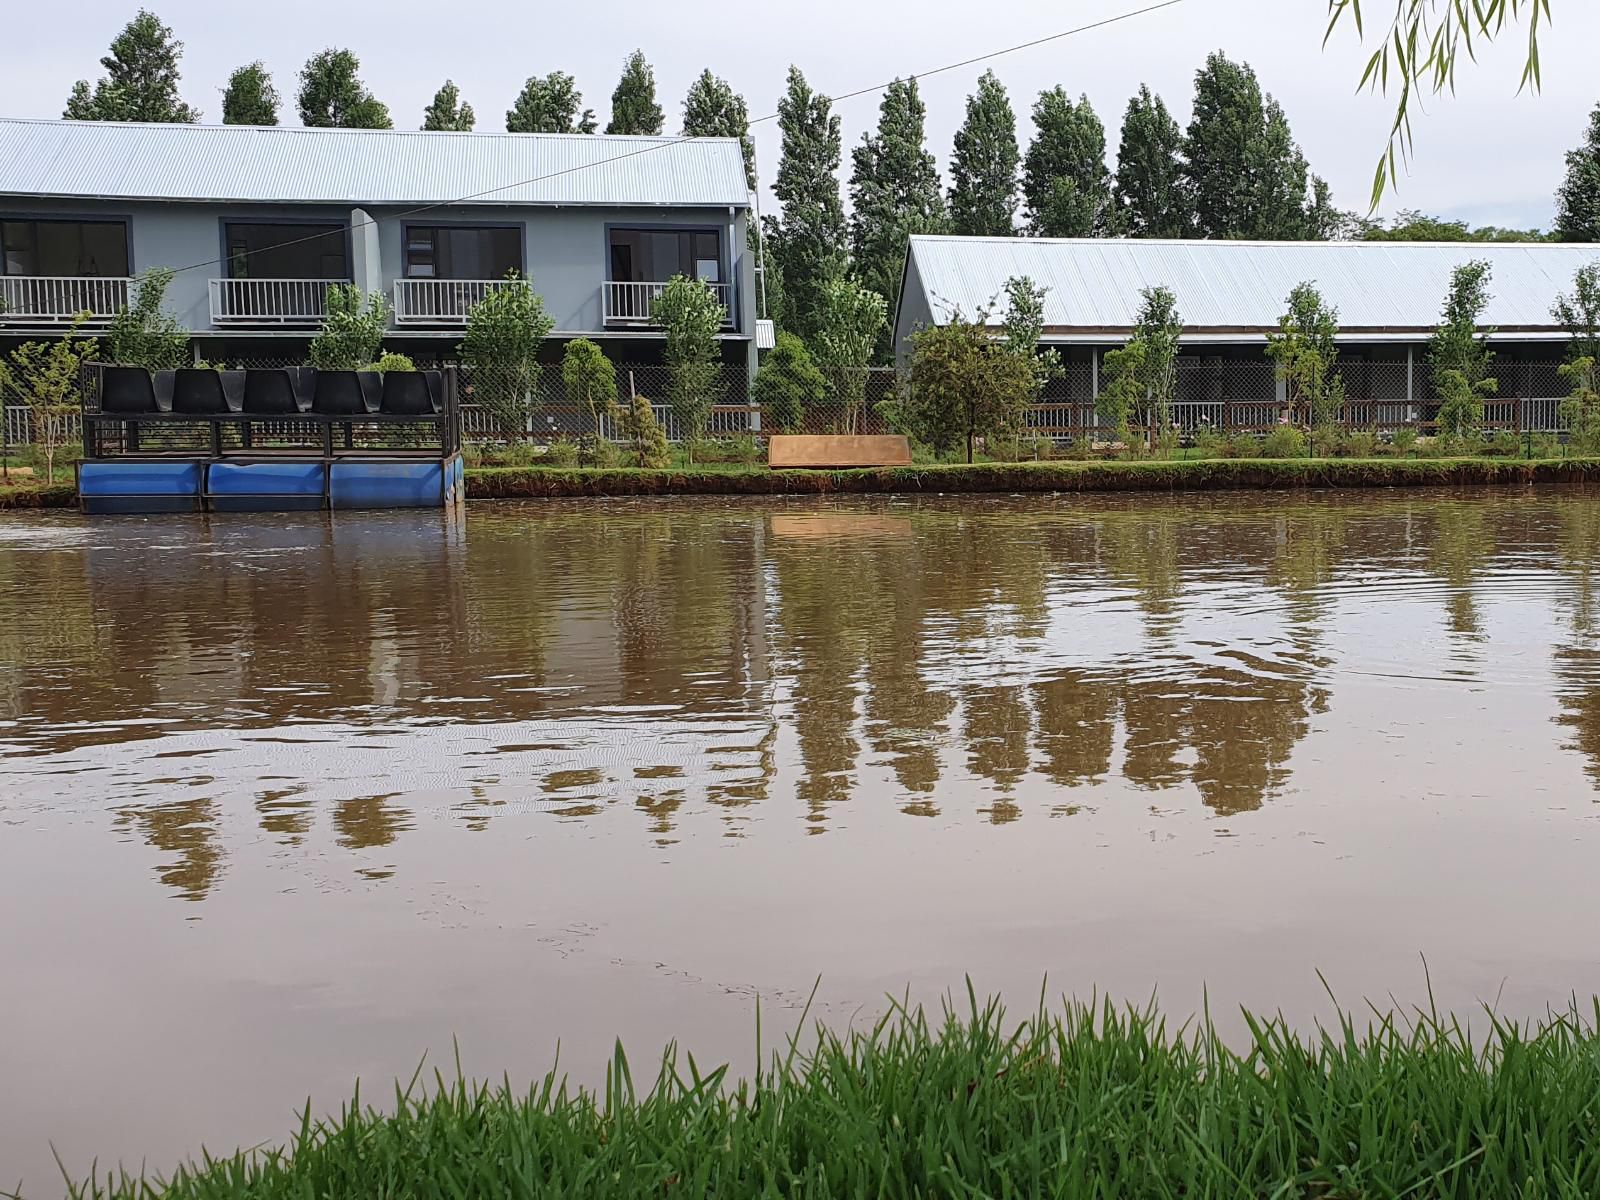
1222 394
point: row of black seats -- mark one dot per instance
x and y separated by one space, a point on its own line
280 392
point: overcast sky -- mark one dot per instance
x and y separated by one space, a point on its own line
1487 155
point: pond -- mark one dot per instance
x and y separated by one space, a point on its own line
289 801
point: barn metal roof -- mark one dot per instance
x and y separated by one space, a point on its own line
1094 283
292 165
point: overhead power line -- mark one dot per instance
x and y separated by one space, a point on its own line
679 141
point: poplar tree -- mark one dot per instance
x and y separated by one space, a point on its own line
333 96
633 104
713 109
551 104
1248 177
1151 195
810 236
1064 176
141 79
1578 200
983 172
250 98
447 113
894 193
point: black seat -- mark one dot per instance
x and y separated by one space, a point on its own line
339 394
270 393
197 391
407 394
127 390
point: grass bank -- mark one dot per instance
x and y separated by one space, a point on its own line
38 495
1093 1102
1179 475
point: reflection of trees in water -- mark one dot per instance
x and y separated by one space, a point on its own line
188 829
366 822
902 632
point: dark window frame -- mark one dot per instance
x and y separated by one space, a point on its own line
519 227
724 263
28 218
341 223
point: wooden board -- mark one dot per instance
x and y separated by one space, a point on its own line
838 450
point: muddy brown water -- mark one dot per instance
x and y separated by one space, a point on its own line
286 802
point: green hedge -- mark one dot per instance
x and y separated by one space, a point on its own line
37 495
1202 475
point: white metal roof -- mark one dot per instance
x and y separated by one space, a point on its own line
111 160
1094 283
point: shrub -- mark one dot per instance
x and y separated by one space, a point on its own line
501 349
1243 445
352 332
1357 444
690 316
560 453
1285 441
1504 444
965 385
642 434
788 383
1207 442
1405 441
1580 411
399 363
143 333
1544 445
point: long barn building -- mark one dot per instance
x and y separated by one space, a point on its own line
1230 295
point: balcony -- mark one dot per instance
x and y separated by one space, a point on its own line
630 303
278 302
31 300
439 301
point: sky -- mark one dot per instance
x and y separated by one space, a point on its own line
1486 155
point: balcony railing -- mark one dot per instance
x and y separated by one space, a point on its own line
630 303
58 299
270 301
439 301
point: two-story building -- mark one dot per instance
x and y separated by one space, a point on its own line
257 223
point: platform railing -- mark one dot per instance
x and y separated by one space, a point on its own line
270 301
633 303
440 301
59 299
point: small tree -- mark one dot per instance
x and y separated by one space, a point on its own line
591 381
788 383
1024 329
143 333
690 315
849 319
141 79
1141 380
1580 411
1305 352
45 377
641 432
966 384
1579 312
505 331
551 104
352 332
1459 355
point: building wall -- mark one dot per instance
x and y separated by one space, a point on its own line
565 250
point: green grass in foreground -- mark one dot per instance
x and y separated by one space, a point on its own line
1094 1102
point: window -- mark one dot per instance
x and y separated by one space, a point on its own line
656 255
462 252
286 251
97 248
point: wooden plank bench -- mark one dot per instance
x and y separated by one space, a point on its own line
831 451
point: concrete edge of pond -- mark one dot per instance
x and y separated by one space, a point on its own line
509 483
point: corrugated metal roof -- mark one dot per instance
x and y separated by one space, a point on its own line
359 166
1094 283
